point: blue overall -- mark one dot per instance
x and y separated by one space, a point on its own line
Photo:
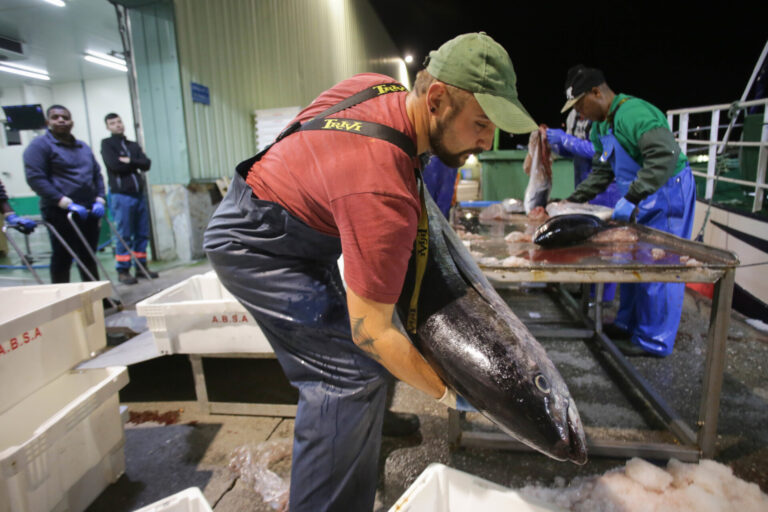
286 275
651 311
440 181
131 216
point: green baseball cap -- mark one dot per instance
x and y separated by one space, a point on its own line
478 64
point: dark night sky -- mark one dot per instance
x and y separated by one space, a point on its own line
655 53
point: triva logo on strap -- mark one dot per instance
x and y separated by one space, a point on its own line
387 88
342 124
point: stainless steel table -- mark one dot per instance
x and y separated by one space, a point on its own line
625 263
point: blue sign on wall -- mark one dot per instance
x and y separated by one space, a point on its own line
200 94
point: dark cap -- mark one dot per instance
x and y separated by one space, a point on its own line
579 81
478 64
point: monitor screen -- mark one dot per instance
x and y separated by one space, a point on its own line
24 117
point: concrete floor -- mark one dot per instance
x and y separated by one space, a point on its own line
195 449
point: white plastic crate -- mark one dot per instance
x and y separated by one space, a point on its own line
46 330
188 500
443 489
199 316
63 444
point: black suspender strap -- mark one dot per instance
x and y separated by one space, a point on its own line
323 121
364 95
368 128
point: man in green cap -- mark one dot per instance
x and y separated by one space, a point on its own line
339 179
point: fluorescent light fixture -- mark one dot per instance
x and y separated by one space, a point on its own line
57 3
26 68
18 69
106 63
104 56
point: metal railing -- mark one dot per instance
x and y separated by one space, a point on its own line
716 145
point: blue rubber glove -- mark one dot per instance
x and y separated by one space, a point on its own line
23 224
79 210
97 210
623 210
555 136
577 146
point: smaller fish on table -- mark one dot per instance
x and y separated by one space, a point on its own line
567 230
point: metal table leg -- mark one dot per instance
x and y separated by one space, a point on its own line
454 427
599 288
719 319
200 388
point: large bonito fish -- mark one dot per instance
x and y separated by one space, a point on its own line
538 166
485 353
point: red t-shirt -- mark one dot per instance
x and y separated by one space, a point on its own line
358 188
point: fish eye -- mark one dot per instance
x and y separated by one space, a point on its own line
541 383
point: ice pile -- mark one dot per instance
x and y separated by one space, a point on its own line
642 487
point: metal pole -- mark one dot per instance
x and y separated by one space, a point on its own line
130 252
744 95
721 149
80 263
70 218
124 25
21 254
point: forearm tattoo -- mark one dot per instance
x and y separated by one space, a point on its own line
362 339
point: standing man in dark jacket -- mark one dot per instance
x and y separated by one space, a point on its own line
124 161
64 173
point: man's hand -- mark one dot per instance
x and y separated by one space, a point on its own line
449 398
22 224
97 209
79 210
124 159
555 136
623 210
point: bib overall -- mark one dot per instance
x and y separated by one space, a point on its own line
286 275
651 311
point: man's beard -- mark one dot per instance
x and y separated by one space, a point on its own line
454 160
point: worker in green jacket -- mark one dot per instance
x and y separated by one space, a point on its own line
635 148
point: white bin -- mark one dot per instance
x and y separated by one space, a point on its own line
199 316
188 500
443 489
46 330
63 444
